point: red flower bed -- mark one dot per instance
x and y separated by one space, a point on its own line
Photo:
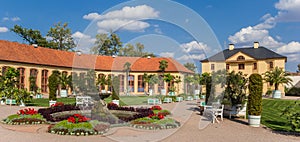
27 111
77 118
155 108
58 104
157 116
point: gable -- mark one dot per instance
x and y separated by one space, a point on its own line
235 56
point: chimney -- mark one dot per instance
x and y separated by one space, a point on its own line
231 46
256 44
35 45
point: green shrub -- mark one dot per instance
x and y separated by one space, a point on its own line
53 83
292 112
255 95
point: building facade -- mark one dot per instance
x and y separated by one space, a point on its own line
256 59
38 62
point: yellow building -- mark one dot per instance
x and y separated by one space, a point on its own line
39 62
256 59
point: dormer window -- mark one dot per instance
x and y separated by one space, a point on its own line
240 58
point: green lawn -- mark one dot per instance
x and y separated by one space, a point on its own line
44 102
131 100
124 101
271 114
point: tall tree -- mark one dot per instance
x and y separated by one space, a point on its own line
61 37
134 51
277 77
163 64
107 44
31 36
190 66
127 67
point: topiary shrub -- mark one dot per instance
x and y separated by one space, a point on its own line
116 88
53 83
254 106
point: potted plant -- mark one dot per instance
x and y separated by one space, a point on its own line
254 107
64 81
53 83
277 77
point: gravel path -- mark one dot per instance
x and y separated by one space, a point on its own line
194 128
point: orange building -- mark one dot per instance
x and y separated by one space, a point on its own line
39 62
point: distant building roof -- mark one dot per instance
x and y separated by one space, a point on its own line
23 53
259 53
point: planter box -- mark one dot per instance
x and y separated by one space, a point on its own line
2 102
11 102
171 93
276 94
51 103
163 92
254 121
117 102
63 93
179 99
38 96
196 92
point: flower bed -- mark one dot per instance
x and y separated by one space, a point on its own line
46 112
154 124
26 116
79 125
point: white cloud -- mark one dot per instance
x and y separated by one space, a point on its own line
167 54
5 19
158 30
135 12
83 41
288 10
292 47
14 19
127 18
195 46
3 29
124 24
246 37
186 58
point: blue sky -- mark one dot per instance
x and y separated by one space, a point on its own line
185 30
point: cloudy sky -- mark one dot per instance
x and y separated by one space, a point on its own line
188 31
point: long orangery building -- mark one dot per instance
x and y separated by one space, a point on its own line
39 62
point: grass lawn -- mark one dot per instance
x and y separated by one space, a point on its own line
271 114
124 101
44 102
131 100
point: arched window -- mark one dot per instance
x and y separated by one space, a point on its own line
131 83
65 73
21 79
121 82
101 81
240 58
4 69
32 79
44 81
140 83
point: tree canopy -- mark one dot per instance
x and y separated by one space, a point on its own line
134 51
107 44
59 37
190 66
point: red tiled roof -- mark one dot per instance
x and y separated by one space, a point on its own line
23 53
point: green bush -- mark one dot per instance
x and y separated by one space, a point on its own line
53 83
255 95
292 113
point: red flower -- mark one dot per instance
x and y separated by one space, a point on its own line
57 104
77 118
155 108
27 111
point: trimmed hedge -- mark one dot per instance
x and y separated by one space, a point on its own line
254 106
